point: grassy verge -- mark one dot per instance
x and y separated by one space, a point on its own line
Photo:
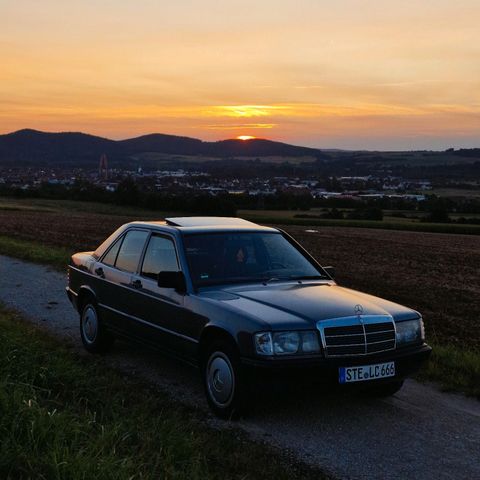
454 369
64 417
267 217
385 225
35 252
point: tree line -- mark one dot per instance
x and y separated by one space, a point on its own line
129 193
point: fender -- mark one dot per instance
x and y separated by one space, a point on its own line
82 292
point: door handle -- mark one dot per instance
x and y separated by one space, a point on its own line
99 272
137 284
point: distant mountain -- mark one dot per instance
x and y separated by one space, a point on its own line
160 143
257 148
31 147
467 152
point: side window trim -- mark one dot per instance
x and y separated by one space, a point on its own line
162 235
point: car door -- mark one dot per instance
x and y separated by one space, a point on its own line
164 318
116 268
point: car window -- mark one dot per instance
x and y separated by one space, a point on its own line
159 257
230 257
285 259
111 256
101 249
131 250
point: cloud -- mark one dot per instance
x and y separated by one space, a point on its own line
236 126
245 111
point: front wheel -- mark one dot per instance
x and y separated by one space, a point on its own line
224 383
95 338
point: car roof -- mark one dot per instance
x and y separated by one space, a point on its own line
205 224
208 221
192 225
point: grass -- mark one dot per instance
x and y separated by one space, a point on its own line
284 217
457 192
454 369
62 416
386 225
57 257
167 158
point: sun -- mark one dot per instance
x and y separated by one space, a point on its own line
245 137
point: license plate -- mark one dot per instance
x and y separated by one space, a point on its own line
364 373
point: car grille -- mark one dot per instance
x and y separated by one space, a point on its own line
357 335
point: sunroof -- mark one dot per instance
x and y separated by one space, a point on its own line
207 221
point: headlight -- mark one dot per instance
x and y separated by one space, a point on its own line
410 331
286 343
263 343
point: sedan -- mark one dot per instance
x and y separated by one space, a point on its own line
242 302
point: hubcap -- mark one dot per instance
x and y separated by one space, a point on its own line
220 379
89 324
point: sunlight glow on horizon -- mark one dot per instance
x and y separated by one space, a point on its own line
352 74
245 137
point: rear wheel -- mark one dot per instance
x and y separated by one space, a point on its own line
223 379
95 338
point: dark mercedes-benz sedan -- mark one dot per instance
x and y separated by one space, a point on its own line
241 301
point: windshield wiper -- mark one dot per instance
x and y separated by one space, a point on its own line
307 277
266 281
293 277
226 281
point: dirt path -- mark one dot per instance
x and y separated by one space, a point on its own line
419 433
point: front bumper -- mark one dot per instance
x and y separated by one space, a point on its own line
72 296
316 369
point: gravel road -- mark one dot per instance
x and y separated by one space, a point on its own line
419 433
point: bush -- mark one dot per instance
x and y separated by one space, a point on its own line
369 213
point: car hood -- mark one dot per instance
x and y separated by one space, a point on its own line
303 305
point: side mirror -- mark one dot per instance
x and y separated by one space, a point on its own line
330 271
174 280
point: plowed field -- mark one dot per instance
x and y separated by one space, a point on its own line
437 274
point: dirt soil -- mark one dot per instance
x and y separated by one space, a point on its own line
436 274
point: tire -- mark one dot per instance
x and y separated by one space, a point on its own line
384 389
224 382
95 338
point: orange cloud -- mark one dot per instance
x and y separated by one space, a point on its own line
236 126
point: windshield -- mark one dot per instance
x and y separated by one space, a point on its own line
243 257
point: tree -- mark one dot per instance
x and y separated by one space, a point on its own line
437 210
438 214
127 192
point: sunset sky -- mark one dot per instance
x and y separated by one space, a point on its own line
376 74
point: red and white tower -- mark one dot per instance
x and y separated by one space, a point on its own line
103 167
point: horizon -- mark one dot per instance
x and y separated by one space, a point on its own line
352 75
216 140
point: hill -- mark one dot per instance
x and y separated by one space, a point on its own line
32 147
257 148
